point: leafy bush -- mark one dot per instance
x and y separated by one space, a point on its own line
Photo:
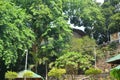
93 71
115 73
72 61
56 72
28 74
11 75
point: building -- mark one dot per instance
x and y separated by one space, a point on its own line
77 33
115 37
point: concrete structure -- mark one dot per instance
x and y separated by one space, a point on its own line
77 33
115 37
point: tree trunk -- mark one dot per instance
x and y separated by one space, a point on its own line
36 65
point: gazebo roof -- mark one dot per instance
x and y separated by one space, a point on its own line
21 73
114 60
118 67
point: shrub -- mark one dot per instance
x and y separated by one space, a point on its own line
56 72
115 73
11 75
93 71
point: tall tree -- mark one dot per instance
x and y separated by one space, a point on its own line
51 29
15 35
114 24
80 53
86 13
110 10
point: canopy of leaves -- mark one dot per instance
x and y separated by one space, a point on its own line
86 10
114 25
15 35
43 24
111 13
57 35
47 21
73 61
84 45
56 72
88 14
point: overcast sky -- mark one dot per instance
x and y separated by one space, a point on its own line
100 1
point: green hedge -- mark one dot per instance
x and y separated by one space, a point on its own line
93 71
11 75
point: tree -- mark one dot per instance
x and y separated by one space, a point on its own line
73 61
51 29
83 45
86 46
49 26
15 35
56 73
114 23
114 19
88 14
111 13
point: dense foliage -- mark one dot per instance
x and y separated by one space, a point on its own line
115 73
41 27
73 61
11 75
15 35
111 12
47 21
93 71
88 14
57 72
85 45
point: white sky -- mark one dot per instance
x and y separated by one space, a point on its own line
100 1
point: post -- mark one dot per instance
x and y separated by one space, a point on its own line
46 67
26 51
95 56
